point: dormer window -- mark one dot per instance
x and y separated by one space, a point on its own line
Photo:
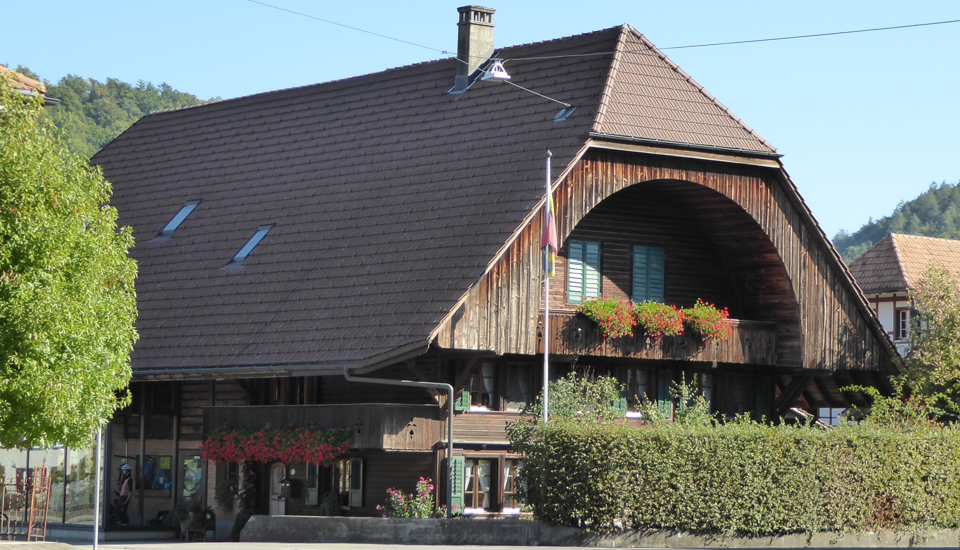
173 224
240 256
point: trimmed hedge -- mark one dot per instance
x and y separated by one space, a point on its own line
744 478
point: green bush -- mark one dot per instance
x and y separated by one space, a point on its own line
743 477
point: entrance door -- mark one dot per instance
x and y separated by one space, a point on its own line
278 506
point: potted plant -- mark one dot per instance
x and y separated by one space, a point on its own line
658 320
226 492
614 319
708 321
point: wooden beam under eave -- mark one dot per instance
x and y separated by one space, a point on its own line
789 395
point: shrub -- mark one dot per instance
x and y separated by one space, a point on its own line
745 478
418 506
708 321
615 319
658 320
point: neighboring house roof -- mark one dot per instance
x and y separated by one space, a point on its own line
390 196
27 85
898 261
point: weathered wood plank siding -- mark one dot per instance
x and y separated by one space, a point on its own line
482 427
373 425
750 343
780 270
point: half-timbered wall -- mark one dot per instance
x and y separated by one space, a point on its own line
781 263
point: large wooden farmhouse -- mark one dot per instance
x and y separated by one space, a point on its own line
388 226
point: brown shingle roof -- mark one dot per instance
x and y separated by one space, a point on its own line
390 196
649 97
898 261
22 82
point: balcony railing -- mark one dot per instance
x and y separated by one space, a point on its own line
750 342
372 425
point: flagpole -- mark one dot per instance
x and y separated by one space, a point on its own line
547 214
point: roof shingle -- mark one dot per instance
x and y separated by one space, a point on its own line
389 196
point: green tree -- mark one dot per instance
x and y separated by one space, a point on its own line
932 370
91 114
934 214
67 301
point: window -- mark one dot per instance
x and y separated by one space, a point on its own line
831 416
313 485
903 324
476 473
262 231
516 386
583 271
348 480
637 385
706 386
173 224
481 387
648 267
511 500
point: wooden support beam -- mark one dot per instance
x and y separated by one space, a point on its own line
418 374
823 385
790 394
846 378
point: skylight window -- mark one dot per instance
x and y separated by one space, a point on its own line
262 231
178 219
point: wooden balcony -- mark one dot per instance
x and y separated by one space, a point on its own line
373 425
750 342
482 427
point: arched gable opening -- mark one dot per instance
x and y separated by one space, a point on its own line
712 249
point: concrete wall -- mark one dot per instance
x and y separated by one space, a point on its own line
519 532
347 530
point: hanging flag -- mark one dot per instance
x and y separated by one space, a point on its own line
548 237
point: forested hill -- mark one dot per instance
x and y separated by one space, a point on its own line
91 113
935 213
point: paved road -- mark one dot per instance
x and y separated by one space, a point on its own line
173 545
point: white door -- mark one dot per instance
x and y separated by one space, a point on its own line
278 506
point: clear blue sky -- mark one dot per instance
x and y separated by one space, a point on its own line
864 120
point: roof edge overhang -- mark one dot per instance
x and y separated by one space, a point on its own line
682 146
662 148
514 236
332 368
847 280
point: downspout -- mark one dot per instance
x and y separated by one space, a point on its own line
418 384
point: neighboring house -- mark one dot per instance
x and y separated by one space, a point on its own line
891 267
28 86
388 225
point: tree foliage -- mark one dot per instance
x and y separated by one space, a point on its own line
935 213
92 113
932 369
67 301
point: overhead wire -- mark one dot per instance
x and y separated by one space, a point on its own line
706 45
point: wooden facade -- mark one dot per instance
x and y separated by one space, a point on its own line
374 426
737 232
750 343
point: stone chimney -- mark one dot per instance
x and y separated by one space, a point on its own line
474 43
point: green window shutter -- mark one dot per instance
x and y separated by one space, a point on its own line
456 482
648 269
462 404
591 270
620 374
664 401
313 492
356 482
655 267
583 271
574 272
